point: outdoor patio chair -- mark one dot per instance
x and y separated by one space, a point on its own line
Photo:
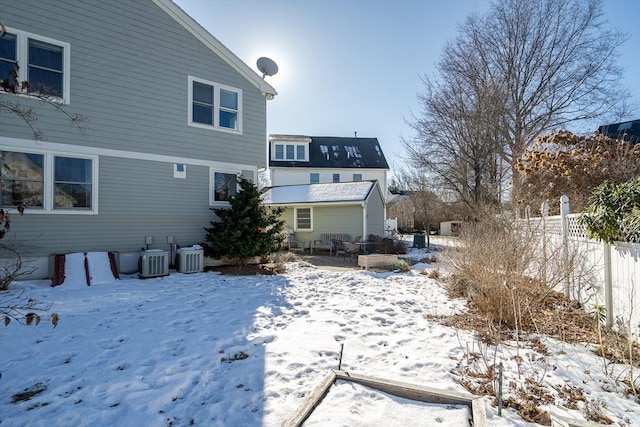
350 249
292 244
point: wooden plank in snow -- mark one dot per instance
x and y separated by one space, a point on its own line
396 388
311 401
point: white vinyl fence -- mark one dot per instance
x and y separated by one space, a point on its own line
606 275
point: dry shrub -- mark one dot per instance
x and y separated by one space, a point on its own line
429 259
283 257
13 264
507 275
401 266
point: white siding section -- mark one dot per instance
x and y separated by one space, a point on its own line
294 176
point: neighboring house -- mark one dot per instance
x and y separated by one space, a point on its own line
173 117
299 159
629 131
354 208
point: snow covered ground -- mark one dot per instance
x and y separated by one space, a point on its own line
211 350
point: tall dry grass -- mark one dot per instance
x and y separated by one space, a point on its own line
507 273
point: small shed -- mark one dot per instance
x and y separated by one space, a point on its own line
450 228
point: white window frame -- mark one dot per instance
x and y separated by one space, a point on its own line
212 174
48 199
216 106
295 152
295 219
22 57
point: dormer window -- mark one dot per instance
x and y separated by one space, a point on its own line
294 152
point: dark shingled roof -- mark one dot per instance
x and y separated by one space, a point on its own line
629 131
337 152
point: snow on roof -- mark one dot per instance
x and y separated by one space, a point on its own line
318 193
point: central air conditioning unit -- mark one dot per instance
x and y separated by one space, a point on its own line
190 260
154 263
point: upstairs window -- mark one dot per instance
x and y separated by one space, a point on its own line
336 177
45 68
279 152
44 62
214 106
357 177
301 152
314 178
295 152
8 54
290 152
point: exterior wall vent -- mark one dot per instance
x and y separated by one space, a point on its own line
154 263
190 260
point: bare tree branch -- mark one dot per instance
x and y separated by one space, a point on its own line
523 69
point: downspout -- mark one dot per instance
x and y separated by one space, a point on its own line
364 221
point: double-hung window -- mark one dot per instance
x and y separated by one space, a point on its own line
48 182
72 182
304 219
214 106
44 63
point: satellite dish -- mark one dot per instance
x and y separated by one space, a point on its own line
267 66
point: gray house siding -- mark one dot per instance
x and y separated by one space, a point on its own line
129 68
130 62
375 213
168 207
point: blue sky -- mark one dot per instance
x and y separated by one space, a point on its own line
350 66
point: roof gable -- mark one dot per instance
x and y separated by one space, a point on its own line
216 46
334 192
337 153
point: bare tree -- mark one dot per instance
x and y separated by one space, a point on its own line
459 138
419 187
528 67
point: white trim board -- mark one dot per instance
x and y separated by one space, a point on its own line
15 144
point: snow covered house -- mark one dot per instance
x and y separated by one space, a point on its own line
172 117
353 208
300 159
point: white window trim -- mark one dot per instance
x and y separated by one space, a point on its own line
23 60
216 106
295 219
48 190
212 174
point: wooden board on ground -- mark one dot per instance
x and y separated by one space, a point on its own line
396 388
